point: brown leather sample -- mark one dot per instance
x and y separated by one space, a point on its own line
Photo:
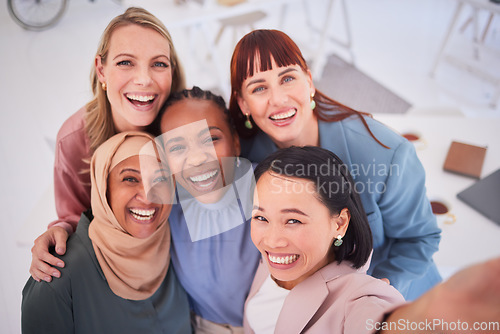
465 159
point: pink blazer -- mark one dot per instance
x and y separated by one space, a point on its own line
336 299
71 184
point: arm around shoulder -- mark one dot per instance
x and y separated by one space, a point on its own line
71 171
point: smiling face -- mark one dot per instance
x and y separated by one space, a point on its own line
200 147
292 229
138 76
279 101
139 213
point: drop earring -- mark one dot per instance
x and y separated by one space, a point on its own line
248 123
238 162
104 87
313 103
338 241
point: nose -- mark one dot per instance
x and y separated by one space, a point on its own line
160 193
274 237
278 96
141 195
198 155
142 75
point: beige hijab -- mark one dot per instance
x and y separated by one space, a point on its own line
134 268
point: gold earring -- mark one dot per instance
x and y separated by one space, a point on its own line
313 103
104 87
248 123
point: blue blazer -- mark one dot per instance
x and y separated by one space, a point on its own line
391 183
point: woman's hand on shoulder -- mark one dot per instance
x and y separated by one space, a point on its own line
42 262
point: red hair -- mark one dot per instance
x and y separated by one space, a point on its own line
259 48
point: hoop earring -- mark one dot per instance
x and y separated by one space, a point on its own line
313 103
338 242
104 87
248 123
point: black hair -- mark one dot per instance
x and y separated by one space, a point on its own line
194 93
335 188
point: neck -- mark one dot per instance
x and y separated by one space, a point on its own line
287 285
214 196
308 137
122 125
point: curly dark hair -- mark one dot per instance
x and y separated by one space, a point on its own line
194 93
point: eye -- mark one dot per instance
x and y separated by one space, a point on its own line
293 221
208 140
160 64
124 63
211 139
259 218
287 79
176 148
160 179
258 89
130 179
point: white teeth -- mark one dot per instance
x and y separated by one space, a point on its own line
284 115
140 98
142 214
283 260
203 177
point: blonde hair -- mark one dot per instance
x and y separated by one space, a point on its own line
98 120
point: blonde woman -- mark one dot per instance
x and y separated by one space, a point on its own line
135 69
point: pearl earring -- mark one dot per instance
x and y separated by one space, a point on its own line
338 242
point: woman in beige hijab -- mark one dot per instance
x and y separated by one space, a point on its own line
117 278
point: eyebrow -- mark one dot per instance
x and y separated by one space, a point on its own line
279 75
292 210
256 81
129 170
175 139
255 207
162 56
132 56
297 211
163 171
290 69
202 132
123 55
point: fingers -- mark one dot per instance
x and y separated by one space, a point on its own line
60 237
42 262
41 270
386 280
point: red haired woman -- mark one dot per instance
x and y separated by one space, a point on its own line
275 105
